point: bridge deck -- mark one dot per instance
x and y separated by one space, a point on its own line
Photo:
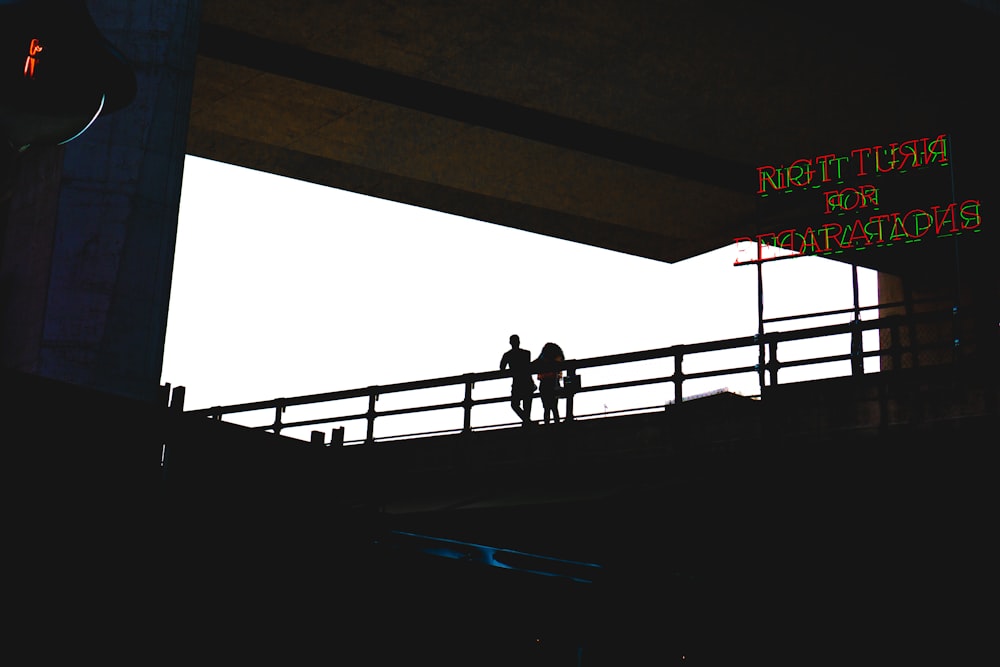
827 518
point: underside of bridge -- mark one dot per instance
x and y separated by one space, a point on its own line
632 126
860 131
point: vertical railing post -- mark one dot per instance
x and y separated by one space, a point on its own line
773 364
467 405
761 363
372 398
571 384
678 377
279 408
857 347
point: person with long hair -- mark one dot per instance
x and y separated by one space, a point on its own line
549 379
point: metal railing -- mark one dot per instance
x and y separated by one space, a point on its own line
766 367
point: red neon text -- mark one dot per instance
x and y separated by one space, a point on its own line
877 230
860 162
29 63
849 199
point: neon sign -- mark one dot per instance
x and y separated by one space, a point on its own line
871 159
865 226
29 63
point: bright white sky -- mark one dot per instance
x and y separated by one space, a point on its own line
283 288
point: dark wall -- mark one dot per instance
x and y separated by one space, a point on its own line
89 234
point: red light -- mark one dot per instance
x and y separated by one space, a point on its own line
29 63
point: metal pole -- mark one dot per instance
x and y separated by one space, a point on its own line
372 397
278 409
857 349
678 378
760 325
570 386
467 404
955 332
774 365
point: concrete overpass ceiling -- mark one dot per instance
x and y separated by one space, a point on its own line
630 125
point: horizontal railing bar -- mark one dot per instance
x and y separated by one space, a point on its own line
842 311
422 408
887 322
831 330
913 302
313 422
825 313
381 413
589 362
662 380
720 372
624 384
573 366
354 393
814 361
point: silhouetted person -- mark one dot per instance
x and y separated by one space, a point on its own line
522 387
548 380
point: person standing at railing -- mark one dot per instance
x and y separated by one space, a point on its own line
548 380
522 388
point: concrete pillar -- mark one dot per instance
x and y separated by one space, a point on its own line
90 229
